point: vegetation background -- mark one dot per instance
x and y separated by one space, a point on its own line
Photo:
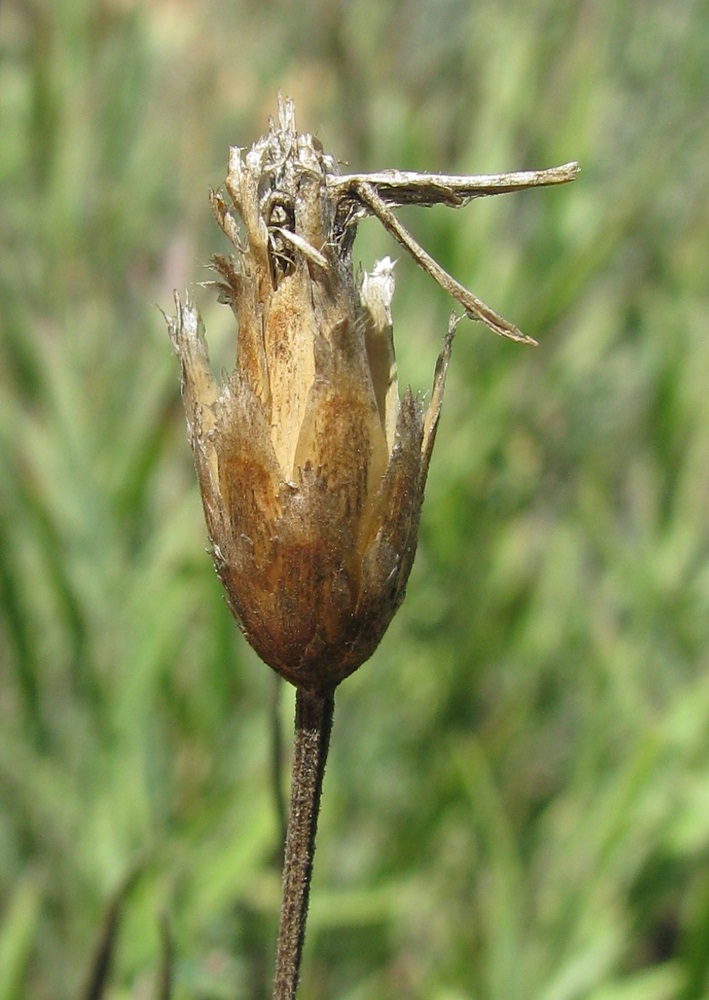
517 803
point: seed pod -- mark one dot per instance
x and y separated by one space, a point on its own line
311 468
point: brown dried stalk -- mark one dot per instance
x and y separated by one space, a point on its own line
313 724
407 187
311 467
99 971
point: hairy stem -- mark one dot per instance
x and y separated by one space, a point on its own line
313 723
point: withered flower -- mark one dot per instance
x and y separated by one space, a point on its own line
311 467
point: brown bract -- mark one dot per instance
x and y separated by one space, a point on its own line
311 468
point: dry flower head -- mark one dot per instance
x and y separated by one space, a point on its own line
310 465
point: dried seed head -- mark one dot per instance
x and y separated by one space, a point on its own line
311 468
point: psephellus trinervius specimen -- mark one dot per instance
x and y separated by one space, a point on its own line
311 466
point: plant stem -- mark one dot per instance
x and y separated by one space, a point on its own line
313 723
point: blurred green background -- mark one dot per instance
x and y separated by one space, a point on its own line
517 802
